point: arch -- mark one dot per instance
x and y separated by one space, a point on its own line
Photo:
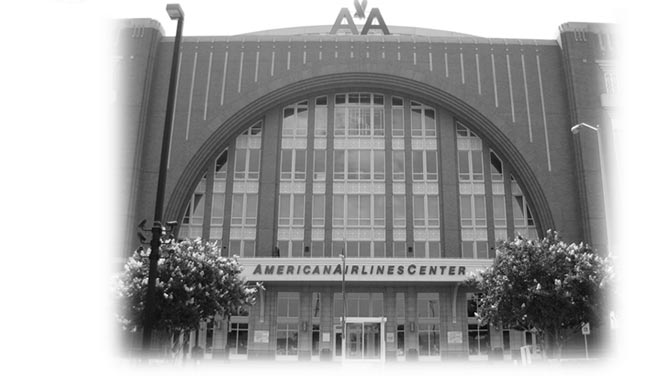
427 93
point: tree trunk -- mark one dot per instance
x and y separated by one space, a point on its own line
558 344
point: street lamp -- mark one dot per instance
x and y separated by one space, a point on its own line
175 12
575 130
345 305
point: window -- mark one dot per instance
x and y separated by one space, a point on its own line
399 211
320 117
320 165
243 248
317 249
247 154
496 168
522 216
359 165
247 163
318 211
288 304
398 117
359 114
470 155
360 304
429 339
426 211
287 339
478 335
237 341
294 122
290 248
291 210
398 165
428 305
293 164
423 122
244 209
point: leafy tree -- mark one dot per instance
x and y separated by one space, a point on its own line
195 283
548 285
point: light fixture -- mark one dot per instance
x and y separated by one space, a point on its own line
175 11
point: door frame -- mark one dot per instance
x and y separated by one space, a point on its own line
382 336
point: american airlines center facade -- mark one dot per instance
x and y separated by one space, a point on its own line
412 152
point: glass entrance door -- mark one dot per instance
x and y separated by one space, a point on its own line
365 338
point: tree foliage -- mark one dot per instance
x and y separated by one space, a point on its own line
548 285
195 283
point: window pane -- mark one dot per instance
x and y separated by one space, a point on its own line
364 164
379 165
419 249
398 122
301 163
434 249
317 249
418 210
319 165
399 210
286 164
380 210
479 205
416 123
463 164
465 207
353 164
251 209
433 210
284 209
477 164
432 165
379 249
339 164
254 163
298 209
398 165
468 249
399 249
429 123
418 172
249 249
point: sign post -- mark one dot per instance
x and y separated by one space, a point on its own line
585 332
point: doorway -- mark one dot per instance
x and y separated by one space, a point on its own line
365 339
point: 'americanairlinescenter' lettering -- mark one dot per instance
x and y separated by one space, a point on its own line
374 270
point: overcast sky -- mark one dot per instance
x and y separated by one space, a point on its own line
494 18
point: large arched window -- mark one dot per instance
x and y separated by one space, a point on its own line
361 173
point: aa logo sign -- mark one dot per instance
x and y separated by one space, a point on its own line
360 13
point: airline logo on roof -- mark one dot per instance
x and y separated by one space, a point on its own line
360 13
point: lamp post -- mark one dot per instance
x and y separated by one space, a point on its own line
175 12
575 130
345 306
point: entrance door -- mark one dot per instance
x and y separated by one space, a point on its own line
365 338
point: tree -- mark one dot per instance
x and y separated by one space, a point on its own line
195 283
548 285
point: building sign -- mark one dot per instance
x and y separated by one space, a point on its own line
360 269
261 336
360 13
454 337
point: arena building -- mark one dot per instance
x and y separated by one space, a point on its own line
410 151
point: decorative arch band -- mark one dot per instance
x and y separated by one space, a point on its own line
485 128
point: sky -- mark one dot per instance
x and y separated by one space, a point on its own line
58 150
498 18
